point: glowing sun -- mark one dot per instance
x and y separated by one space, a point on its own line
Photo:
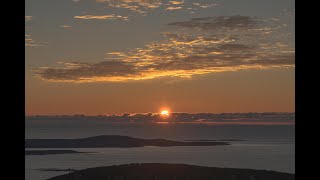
164 113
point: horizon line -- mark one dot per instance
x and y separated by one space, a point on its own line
157 113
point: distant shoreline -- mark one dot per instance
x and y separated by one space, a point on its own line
56 169
115 141
221 140
48 152
162 171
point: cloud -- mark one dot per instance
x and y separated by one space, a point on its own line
176 2
77 72
178 118
229 22
204 5
28 18
146 6
197 46
29 41
137 6
66 26
101 17
173 8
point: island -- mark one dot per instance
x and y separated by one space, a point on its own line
47 152
55 169
158 171
112 141
215 140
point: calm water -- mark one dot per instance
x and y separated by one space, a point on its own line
266 147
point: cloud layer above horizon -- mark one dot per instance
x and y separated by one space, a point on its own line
180 118
196 46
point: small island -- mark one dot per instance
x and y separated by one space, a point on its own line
114 141
47 152
158 171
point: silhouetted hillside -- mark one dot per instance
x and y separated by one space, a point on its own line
153 171
111 141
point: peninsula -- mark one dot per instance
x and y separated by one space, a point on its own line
115 141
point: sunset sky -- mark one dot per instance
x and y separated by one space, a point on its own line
134 56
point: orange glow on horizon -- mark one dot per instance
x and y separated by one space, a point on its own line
164 113
162 122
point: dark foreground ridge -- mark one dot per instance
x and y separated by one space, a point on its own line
111 141
154 171
46 152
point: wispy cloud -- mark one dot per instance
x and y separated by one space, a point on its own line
220 22
29 41
28 18
85 72
173 8
197 46
146 6
66 26
201 5
138 6
102 17
176 2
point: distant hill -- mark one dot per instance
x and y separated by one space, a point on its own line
46 152
111 141
155 171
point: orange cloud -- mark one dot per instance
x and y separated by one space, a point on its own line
101 17
226 43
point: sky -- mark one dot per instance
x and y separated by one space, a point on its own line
135 56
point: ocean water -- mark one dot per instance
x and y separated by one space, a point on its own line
264 147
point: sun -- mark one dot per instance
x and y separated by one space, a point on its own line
164 113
